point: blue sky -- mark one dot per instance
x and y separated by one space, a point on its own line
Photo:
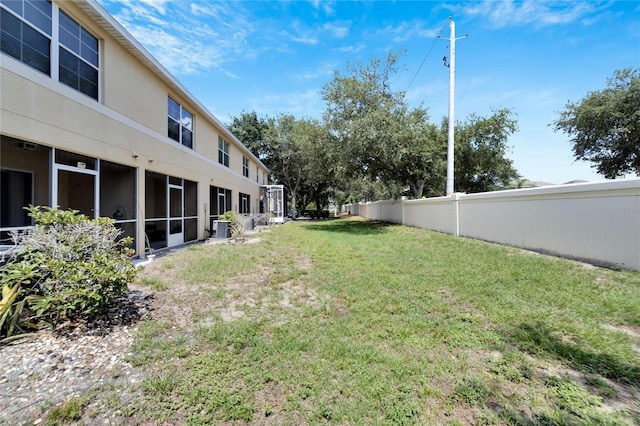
274 57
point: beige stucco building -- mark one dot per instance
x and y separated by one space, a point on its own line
89 120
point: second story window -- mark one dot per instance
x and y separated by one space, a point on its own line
223 152
78 52
245 167
180 121
30 36
26 33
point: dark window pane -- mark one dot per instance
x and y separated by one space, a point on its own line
174 130
35 40
89 55
77 74
15 5
174 109
187 138
37 17
72 31
42 6
69 41
35 50
36 59
24 43
89 47
10 23
88 40
68 69
10 35
9 45
88 80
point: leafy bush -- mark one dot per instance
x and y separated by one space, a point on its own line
237 223
66 266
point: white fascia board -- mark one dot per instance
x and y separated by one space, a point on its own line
116 30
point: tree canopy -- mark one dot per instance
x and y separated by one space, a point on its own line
370 144
605 125
251 131
480 152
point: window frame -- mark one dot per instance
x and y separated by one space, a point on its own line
245 166
223 152
179 123
79 56
244 206
30 16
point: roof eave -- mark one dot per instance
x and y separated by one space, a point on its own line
96 12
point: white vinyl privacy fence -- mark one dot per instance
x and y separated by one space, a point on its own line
596 222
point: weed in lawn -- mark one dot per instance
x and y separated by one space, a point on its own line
472 391
575 405
512 366
160 384
71 410
539 339
600 387
154 283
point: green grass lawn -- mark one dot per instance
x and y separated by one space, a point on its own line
356 322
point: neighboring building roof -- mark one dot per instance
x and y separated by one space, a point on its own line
95 11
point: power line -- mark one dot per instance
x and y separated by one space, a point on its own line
426 56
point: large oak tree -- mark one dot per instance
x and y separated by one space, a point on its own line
605 125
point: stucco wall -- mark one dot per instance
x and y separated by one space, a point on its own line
127 126
597 222
437 214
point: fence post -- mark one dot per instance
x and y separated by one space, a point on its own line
456 207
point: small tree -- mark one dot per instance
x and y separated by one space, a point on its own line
66 266
605 125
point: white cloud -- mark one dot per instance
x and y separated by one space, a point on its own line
217 33
324 5
310 40
324 69
307 103
352 48
505 13
338 29
404 31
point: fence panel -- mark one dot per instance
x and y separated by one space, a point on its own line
597 222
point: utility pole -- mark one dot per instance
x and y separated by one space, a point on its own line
452 83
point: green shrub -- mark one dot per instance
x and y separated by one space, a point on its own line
66 266
237 223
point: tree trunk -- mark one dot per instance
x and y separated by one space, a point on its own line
417 189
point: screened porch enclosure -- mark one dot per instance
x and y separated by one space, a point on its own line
34 174
171 211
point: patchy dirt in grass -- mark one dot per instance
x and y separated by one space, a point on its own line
632 331
270 402
245 295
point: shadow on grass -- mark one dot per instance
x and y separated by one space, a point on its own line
538 338
354 227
